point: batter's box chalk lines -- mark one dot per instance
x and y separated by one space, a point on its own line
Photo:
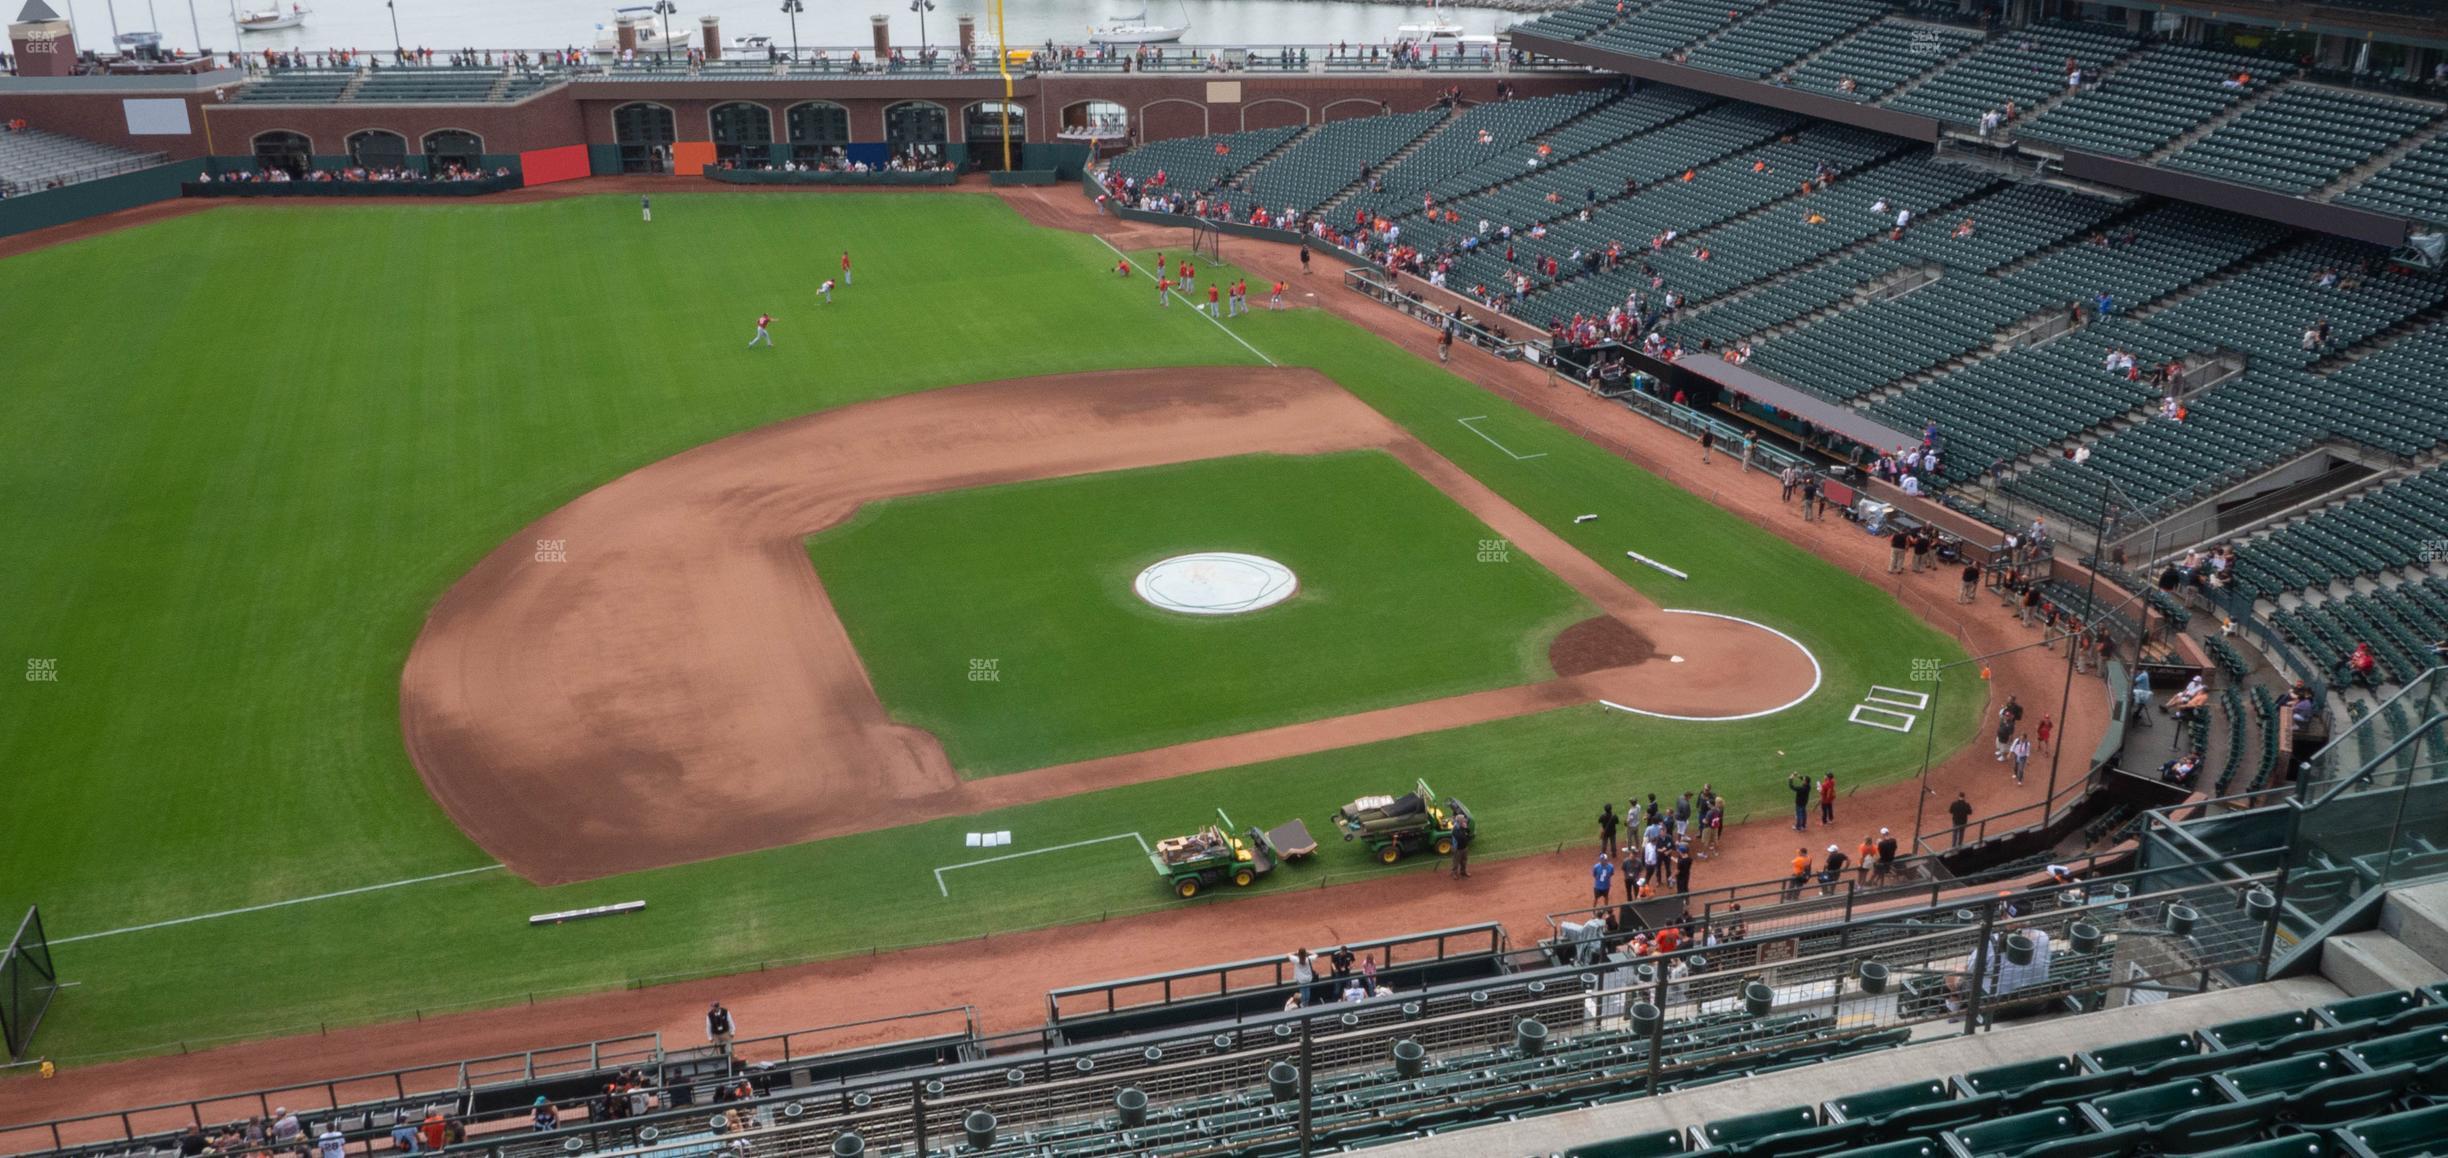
946 890
1860 710
1466 425
1816 676
1194 306
278 904
1898 697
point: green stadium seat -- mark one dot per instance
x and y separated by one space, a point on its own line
2343 1099
2213 1127
1872 1105
2154 1104
2289 1146
2010 1079
2135 1054
2283 1075
1654 1144
2113 1144
2419 1047
1811 1143
1745 1128
1937 1117
2371 1008
2412 1132
2252 1031
2067 1090
2016 1133
1907 1148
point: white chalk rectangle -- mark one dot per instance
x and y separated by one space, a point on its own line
1859 710
1001 839
976 840
1882 694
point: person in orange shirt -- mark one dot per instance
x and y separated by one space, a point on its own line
1164 292
1275 300
1212 311
1801 874
1861 859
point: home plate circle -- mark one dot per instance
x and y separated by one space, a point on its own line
1216 583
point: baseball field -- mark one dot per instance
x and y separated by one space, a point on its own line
407 571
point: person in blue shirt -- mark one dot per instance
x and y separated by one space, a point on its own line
1602 878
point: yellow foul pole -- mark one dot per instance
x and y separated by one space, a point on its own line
1003 65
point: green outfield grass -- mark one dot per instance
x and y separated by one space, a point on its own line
237 481
1395 605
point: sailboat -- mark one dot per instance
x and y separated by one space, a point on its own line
1135 29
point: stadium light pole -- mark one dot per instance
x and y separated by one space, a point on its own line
2110 511
664 9
792 9
397 46
922 7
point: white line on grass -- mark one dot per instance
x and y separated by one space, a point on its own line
1816 676
1194 306
275 904
1466 425
947 891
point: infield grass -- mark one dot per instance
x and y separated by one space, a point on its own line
236 481
1395 605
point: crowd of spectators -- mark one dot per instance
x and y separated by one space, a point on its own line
354 174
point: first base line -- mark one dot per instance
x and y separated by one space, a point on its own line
1466 425
947 891
277 904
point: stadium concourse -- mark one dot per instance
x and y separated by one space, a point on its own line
1005 977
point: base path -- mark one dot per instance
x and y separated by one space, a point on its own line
654 673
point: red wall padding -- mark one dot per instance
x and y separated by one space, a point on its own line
545 166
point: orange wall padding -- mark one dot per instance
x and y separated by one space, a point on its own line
690 158
545 166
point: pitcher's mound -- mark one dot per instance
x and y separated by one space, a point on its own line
1597 644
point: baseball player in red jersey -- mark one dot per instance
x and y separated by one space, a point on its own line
1212 311
763 320
845 267
1164 292
1275 300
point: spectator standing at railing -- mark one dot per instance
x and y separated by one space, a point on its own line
1886 858
1961 813
546 1120
720 1026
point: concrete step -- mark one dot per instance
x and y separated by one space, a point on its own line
2418 917
2374 962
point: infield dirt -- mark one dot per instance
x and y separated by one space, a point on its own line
654 674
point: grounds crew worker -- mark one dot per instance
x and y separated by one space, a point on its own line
719 1026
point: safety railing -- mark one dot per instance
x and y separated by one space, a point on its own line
1266 974
1330 1075
357 1095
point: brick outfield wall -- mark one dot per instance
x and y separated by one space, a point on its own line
1161 106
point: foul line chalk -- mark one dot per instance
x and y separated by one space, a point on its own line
275 905
1491 441
1816 676
1656 564
946 890
1194 307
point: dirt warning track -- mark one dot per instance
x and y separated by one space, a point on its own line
653 674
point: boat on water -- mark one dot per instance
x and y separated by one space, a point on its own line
1135 29
273 19
649 32
1438 31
